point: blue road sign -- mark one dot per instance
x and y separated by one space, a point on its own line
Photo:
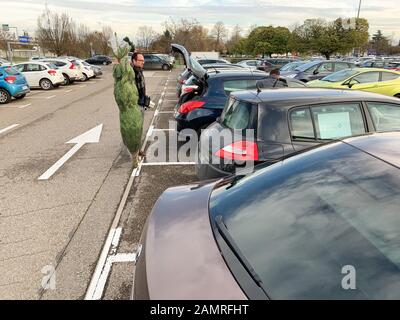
23 39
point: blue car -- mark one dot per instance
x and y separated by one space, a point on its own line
12 84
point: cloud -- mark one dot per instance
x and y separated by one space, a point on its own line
126 16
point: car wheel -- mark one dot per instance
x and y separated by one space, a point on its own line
67 80
165 67
21 97
5 97
85 77
46 84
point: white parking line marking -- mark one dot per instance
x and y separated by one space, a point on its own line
51 97
8 128
82 86
103 267
25 106
68 91
166 112
153 164
155 130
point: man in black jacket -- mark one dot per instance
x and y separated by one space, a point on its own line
137 65
272 81
144 101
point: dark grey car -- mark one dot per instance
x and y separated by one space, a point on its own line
154 62
293 230
316 70
284 121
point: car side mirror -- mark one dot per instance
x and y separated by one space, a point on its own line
350 83
315 72
218 120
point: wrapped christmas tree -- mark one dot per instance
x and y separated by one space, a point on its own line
126 96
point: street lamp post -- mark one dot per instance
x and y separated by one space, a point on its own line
359 9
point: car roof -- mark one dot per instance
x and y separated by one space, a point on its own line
375 69
222 73
53 59
288 97
32 62
222 66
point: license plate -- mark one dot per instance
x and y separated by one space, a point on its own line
25 87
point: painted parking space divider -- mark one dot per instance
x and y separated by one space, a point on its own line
25 106
8 128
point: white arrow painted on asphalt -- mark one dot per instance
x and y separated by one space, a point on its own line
91 136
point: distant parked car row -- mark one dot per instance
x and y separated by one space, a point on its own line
44 73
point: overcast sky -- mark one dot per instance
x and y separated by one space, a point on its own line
125 16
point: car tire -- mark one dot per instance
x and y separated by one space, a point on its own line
67 80
5 97
165 67
46 84
85 78
21 97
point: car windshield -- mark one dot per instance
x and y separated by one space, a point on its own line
302 224
291 66
340 75
307 66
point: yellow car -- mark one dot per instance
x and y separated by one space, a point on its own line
381 81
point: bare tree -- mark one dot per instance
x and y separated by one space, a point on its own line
106 36
145 37
54 31
219 33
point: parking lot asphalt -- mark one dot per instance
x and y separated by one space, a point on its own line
52 231
154 177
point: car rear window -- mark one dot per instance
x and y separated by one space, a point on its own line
51 65
302 224
239 115
11 71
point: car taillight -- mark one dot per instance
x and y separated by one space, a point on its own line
191 105
72 66
240 150
52 72
187 89
10 79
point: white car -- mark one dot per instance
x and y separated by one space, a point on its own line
70 72
250 64
40 74
4 63
87 71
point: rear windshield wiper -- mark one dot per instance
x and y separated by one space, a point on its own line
223 230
